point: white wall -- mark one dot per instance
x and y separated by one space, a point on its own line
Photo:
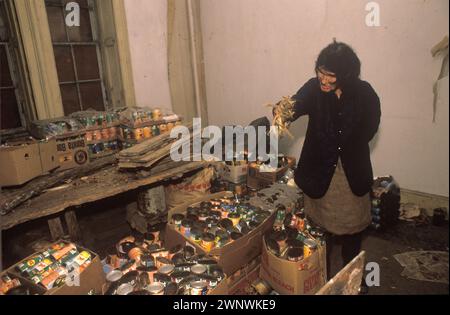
259 50
147 29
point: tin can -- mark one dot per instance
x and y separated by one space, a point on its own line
156 288
138 133
208 241
234 217
178 249
281 238
162 261
177 219
135 253
211 281
309 247
96 135
156 114
147 132
196 235
105 133
178 276
198 287
185 228
166 269
124 289
162 128
112 132
155 130
88 136
164 279
198 269
294 254
114 275
147 260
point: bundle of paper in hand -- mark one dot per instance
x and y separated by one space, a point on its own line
283 112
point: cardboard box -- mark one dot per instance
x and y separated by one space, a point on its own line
91 279
232 256
294 278
19 164
49 155
72 152
244 283
235 174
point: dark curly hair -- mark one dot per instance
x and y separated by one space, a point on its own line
340 59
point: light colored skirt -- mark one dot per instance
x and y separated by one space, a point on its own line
340 211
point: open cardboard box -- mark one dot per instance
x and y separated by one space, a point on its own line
91 279
294 278
26 160
233 255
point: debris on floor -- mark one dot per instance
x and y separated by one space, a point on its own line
424 265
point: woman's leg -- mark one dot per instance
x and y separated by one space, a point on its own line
351 246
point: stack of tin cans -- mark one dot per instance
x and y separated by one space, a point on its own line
140 123
385 208
293 237
102 131
215 223
51 267
139 265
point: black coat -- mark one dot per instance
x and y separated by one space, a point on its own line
337 128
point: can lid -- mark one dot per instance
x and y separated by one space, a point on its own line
155 288
114 275
166 269
198 269
124 289
199 284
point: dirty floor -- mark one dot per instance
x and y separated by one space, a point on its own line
104 223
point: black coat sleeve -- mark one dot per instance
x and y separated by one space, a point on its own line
372 113
304 98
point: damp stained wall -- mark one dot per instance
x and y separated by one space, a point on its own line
257 51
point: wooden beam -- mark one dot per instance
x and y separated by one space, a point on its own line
56 228
72 225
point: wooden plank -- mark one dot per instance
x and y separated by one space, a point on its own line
348 280
37 186
72 225
56 228
104 183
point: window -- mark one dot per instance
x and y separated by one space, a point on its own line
77 57
9 105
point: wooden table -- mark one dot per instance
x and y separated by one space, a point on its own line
101 184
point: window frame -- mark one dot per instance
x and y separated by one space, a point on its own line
37 68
